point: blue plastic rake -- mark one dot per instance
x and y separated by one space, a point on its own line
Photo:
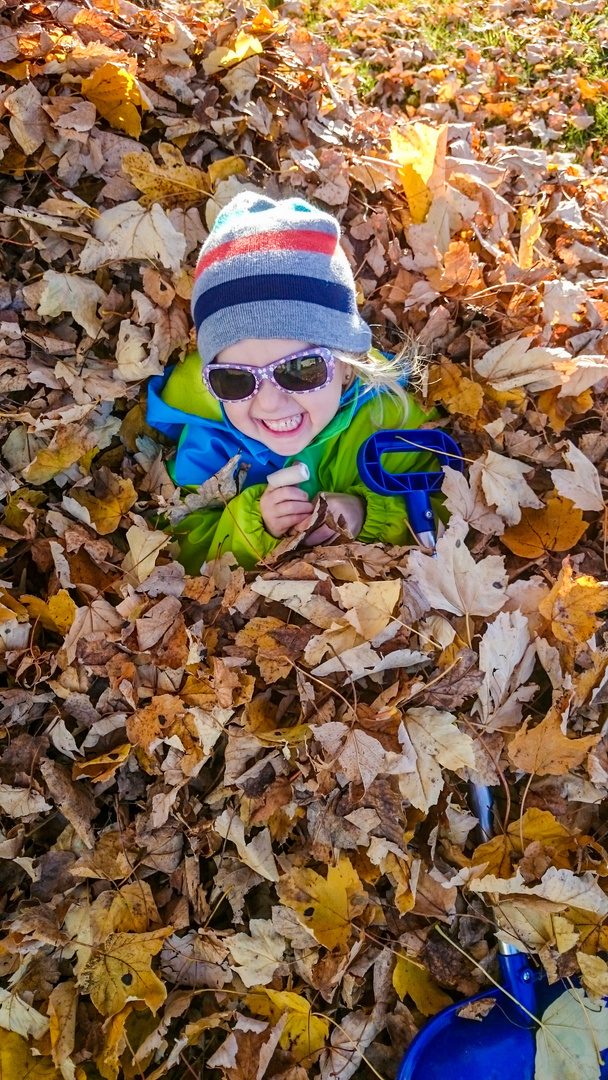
415 487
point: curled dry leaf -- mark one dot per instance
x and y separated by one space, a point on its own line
129 231
582 485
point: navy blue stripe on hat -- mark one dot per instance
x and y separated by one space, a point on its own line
258 287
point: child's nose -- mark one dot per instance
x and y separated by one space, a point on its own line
270 397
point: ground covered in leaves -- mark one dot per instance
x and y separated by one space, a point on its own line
235 834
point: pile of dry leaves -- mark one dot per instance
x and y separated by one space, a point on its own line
235 833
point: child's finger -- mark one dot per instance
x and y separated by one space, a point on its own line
289 494
294 509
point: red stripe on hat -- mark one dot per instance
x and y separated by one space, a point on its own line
290 240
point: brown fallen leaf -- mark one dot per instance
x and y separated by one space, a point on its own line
75 802
476 1010
451 685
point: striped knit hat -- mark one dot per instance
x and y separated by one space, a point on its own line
275 270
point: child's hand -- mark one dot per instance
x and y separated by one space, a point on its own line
350 507
283 508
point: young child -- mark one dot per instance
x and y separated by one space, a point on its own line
284 372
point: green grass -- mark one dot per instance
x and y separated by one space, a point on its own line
443 27
578 141
367 74
594 58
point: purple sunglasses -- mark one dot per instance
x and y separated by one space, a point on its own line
299 373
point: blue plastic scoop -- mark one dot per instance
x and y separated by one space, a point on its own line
415 487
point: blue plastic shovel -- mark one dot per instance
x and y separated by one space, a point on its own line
501 1045
415 487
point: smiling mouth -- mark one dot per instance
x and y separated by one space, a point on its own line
286 426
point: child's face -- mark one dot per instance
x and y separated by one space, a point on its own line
284 422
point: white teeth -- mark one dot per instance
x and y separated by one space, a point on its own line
289 424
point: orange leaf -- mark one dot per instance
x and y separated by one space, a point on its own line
95 21
461 267
559 410
558 527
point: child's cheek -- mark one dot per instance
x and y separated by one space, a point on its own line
238 414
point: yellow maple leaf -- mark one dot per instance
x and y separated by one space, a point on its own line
560 409
57 615
593 933
535 825
271 656
173 183
558 527
103 766
448 385
130 909
121 971
325 906
20 70
415 981
304 1034
461 269
420 151
572 604
115 94
516 398
10 607
114 1044
69 444
62 1009
590 91
105 510
595 974
225 167
17 1061
245 46
545 751
266 21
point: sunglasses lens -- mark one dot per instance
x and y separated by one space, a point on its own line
302 373
230 384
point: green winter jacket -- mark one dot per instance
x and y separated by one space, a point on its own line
331 458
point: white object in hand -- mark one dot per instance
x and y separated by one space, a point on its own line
291 476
